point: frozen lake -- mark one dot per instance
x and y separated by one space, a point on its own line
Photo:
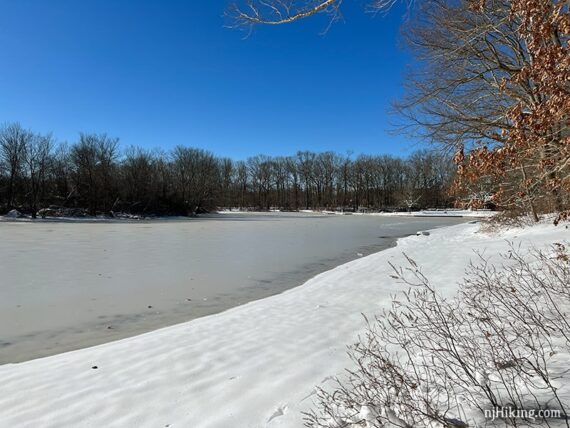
68 285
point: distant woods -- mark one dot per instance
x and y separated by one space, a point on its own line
95 176
491 83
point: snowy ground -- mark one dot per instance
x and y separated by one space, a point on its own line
252 366
440 213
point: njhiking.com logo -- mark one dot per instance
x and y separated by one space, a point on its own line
525 414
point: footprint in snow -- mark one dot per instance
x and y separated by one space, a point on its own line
279 412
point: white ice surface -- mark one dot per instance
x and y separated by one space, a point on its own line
252 366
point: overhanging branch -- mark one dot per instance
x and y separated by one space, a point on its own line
277 12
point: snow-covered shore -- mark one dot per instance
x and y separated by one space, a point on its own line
252 366
452 212
439 213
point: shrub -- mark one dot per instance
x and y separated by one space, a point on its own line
435 361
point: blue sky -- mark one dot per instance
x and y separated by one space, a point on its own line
159 73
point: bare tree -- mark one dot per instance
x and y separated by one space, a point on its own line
261 170
473 76
138 170
37 153
197 175
293 173
93 161
226 173
306 162
12 142
241 184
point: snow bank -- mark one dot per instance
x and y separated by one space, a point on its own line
252 366
439 213
426 213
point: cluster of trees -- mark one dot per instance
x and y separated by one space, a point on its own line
494 89
96 175
491 85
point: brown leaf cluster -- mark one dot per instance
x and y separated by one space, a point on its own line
534 154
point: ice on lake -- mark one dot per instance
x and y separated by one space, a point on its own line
68 285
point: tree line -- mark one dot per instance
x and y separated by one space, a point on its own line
95 175
491 84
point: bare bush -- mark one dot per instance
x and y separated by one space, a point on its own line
434 361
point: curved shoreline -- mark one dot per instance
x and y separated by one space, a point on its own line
73 285
253 365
